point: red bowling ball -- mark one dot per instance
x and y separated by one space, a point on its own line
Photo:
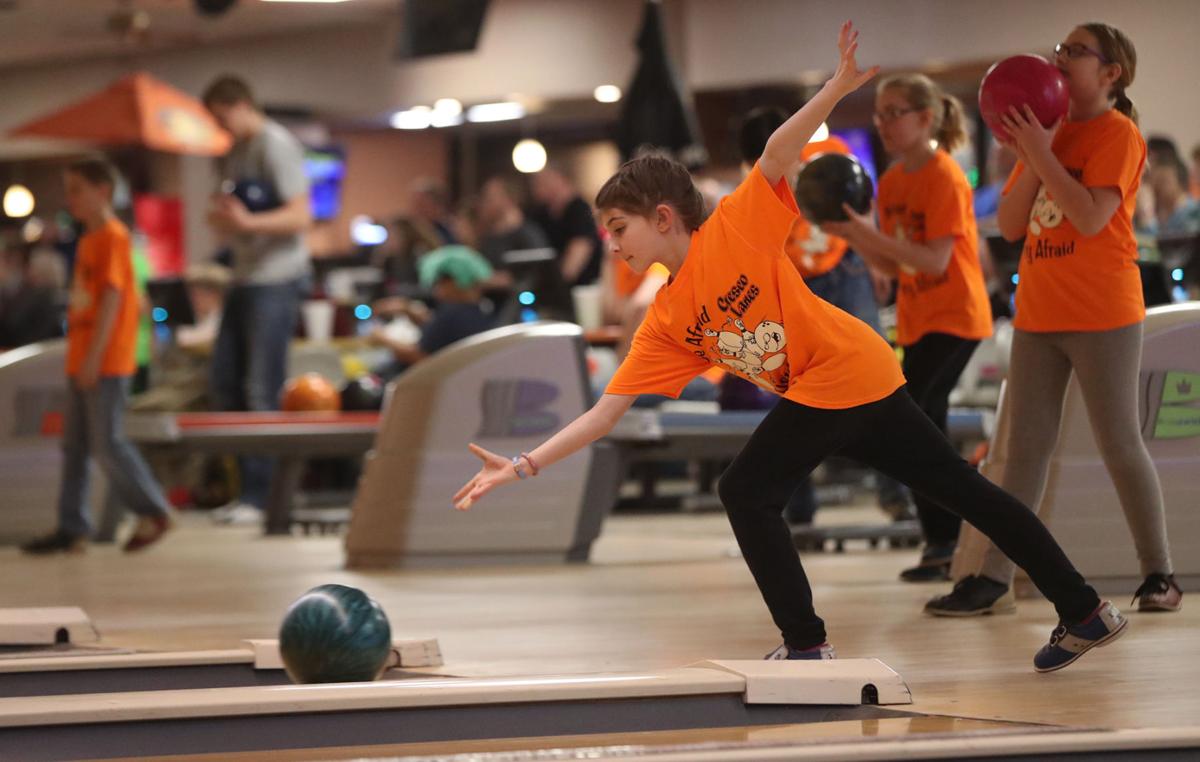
1018 81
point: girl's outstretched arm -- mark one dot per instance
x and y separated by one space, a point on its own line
785 144
576 435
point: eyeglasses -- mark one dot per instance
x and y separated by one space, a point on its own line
1075 50
891 114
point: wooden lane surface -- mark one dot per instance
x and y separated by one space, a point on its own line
663 591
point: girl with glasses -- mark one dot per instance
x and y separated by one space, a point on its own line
1079 307
927 240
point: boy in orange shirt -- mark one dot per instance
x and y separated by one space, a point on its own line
1079 308
102 325
736 300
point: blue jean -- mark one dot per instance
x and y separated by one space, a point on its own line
93 428
249 363
848 287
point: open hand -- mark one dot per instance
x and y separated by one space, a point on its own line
496 470
848 77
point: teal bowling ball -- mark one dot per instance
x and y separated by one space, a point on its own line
334 634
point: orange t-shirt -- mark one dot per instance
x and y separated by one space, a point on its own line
930 203
813 251
1070 282
103 260
737 302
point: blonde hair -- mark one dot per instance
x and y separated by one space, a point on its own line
923 93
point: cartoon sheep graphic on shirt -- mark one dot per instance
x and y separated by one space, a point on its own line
731 347
745 350
1045 213
769 337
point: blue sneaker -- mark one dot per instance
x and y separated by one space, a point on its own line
1069 643
823 651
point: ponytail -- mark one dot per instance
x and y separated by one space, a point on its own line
951 133
1125 106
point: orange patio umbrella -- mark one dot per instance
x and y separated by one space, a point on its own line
136 110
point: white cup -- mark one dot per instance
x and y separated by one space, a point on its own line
588 306
318 320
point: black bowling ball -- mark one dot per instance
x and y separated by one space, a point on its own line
363 393
827 182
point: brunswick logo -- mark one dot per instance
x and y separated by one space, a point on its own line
1177 417
517 408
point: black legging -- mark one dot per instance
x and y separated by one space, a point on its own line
932 366
896 438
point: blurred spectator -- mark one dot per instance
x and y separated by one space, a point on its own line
1175 212
626 295
35 307
1161 150
206 285
262 211
431 212
568 222
407 242
502 224
455 275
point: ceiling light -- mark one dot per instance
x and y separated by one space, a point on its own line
18 201
447 112
447 106
822 133
415 118
495 112
607 93
529 156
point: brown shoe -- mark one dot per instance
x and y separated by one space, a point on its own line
148 531
1159 592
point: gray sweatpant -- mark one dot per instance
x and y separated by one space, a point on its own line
1106 364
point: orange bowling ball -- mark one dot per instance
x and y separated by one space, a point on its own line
309 393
